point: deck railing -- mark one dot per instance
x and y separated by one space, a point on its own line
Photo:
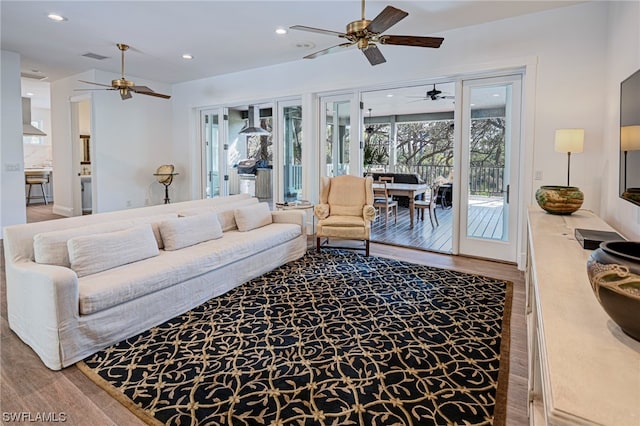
482 180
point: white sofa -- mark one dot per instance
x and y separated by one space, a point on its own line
80 284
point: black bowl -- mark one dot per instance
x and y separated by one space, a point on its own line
614 274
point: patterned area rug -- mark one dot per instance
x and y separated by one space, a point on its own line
331 339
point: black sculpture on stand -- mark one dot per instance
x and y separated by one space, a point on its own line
165 176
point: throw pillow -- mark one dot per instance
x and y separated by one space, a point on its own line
189 230
252 217
90 254
225 217
51 247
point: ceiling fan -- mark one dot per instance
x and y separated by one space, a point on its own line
124 86
433 95
367 33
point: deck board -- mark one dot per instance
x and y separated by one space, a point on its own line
485 221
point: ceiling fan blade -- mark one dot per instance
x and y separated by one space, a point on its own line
138 89
411 40
317 30
144 90
97 84
328 50
374 55
386 19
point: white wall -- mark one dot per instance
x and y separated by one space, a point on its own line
624 59
568 44
129 140
563 50
12 200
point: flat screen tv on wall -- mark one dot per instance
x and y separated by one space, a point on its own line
630 138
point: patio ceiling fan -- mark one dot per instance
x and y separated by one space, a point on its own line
124 86
432 95
366 34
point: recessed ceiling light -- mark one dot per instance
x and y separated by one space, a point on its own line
187 56
281 31
495 95
28 94
390 95
56 17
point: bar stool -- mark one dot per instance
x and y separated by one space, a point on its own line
37 178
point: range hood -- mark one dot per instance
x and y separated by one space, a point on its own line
251 129
27 128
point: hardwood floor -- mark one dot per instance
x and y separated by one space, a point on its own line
484 221
40 212
27 386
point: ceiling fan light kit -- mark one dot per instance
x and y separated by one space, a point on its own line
365 34
124 86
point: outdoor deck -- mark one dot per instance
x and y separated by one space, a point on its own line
485 221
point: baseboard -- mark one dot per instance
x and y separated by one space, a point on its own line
62 210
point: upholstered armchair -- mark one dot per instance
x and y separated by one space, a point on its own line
345 210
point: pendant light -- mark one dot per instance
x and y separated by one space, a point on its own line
251 129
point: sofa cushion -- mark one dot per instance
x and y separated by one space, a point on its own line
116 286
189 230
51 247
252 217
225 212
89 254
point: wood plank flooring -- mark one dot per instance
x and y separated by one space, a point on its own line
485 221
26 385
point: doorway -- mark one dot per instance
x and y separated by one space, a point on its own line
489 155
408 136
339 148
82 154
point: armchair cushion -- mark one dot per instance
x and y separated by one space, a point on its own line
345 221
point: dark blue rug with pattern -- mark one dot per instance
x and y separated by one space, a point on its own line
330 339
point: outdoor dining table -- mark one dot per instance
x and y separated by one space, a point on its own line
408 190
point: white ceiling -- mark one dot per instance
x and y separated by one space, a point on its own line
223 36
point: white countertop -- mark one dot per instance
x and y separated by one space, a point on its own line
590 368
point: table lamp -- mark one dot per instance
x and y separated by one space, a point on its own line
569 140
563 200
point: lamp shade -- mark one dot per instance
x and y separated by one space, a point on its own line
569 140
630 138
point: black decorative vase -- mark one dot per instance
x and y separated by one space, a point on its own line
614 274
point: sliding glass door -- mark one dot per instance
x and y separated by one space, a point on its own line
489 187
212 122
291 142
336 145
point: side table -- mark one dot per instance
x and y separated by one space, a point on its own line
301 205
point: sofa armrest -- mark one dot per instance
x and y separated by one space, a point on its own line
41 299
298 217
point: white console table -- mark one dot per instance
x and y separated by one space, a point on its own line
583 370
